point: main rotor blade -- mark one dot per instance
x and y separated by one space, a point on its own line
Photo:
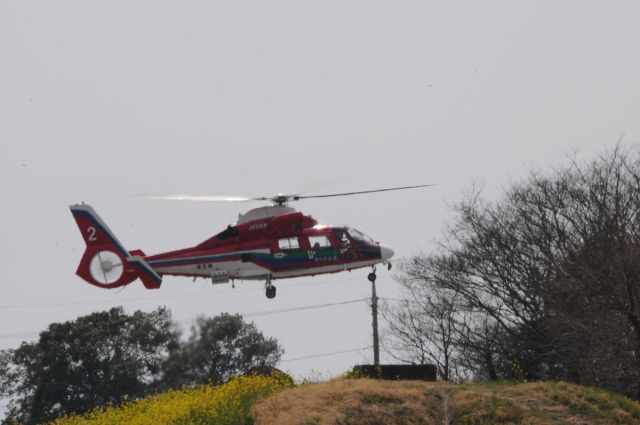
296 197
279 199
200 198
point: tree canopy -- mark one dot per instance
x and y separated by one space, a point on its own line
110 357
94 360
218 348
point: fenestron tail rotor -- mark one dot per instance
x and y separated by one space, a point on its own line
106 267
279 199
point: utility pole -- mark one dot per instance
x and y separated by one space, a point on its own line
374 311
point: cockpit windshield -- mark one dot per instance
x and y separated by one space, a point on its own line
359 236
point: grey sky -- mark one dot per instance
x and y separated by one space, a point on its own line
100 100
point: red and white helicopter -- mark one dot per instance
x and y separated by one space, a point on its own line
269 242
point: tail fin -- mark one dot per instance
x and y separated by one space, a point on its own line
105 262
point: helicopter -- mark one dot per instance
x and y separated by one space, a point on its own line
265 243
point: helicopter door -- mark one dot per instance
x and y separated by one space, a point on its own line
319 242
321 249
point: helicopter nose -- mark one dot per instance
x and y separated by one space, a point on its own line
385 252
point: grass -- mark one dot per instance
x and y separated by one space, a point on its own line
259 400
371 402
349 402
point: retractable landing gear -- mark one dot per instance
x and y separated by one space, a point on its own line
269 289
372 276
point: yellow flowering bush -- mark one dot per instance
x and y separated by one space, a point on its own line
227 404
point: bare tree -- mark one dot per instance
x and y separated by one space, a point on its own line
546 280
421 329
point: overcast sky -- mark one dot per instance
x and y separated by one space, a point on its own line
101 100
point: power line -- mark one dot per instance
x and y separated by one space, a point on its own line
404 301
325 354
27 334
394 299
311 307
16 334
23 336
124 300
19 335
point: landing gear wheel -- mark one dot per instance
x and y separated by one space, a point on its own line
271 291
372 277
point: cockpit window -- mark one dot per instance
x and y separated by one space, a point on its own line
344 240
359 236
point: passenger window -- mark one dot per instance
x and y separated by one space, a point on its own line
288 244
318 242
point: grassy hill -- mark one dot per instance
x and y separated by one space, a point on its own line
362 401
271 400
